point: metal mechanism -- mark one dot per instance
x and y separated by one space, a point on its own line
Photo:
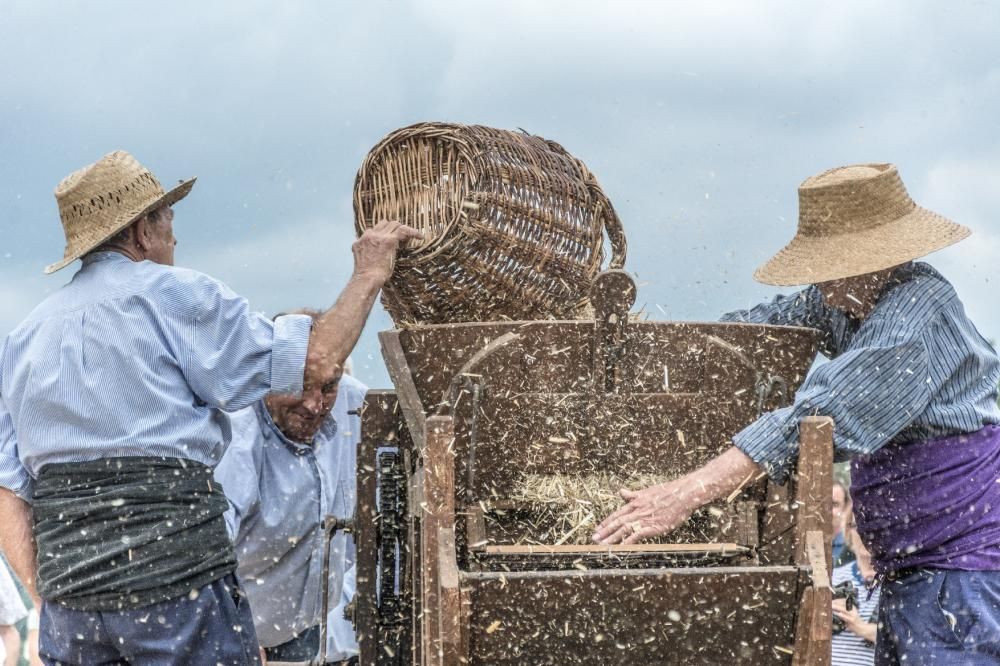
453 569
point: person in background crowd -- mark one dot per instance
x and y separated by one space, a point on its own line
911 387
291 464
12 611
841 510
114 389
855 645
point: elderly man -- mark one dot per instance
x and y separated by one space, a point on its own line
912 389
111 399
290 465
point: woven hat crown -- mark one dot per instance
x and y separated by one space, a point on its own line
102 198
851 199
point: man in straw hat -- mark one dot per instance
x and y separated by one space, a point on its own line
912 389
111 399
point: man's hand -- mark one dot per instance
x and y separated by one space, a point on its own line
853 622
661 509
336 331
650 512
375 250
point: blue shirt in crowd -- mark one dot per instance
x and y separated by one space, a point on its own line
280 491
136 359
914 369
847 648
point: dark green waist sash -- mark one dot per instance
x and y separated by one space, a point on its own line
121 533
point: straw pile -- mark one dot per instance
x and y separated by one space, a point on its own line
567 508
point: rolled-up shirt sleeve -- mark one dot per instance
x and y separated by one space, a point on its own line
233 357
288 357
872 392
13 475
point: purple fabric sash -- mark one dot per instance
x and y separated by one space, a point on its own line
933 503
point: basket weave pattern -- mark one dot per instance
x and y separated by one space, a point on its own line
513 224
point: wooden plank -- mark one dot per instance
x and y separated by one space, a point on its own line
377 421
699 616
415 548
437 519
398 366
807 603
572 549
814 486
450 597
814 627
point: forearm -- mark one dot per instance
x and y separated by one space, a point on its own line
721 476
17 540
337 331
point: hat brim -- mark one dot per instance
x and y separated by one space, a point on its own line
126 218
809 260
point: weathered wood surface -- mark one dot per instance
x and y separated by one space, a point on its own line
557 356
814 629
678 617
440 628
814 487
378 424
598 549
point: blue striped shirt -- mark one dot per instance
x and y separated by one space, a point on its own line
914 369
136 359
279 491
847 648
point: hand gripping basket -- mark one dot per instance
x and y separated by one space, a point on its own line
513 224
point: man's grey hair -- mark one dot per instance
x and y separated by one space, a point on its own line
124 236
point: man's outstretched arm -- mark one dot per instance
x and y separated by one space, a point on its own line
337 330
662 508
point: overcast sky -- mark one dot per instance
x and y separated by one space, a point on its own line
699 118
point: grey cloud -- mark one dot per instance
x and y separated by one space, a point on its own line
700 119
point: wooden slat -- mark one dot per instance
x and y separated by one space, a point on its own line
440 635
377 421
588 549
814 488
406 390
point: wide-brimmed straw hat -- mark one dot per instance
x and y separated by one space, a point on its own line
103 198
854 220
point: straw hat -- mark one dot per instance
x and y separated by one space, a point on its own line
103 198
855 220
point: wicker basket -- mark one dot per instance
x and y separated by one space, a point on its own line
513 224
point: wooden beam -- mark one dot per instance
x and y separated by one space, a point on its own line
406 390
441 635
814 488
587 549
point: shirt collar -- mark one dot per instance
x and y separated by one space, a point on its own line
106 255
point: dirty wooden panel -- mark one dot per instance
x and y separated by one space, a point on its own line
683 617
379 421
557 357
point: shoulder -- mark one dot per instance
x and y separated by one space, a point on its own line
910 308
921 293
185 289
